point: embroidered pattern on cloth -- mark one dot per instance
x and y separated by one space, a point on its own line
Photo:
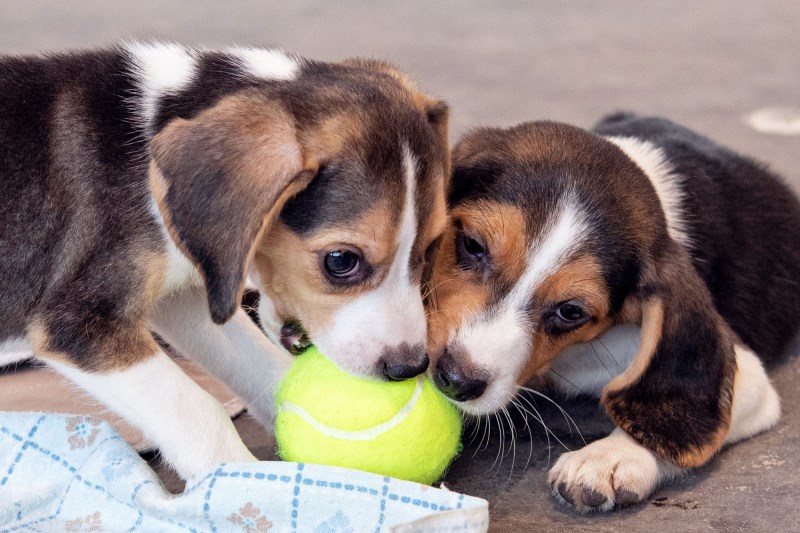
72 473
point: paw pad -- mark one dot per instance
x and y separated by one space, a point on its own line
592 498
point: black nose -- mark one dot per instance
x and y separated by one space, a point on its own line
401 371
457 385
404 362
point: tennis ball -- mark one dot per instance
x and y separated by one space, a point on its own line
403 429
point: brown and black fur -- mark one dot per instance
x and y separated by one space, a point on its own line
78 241
745 226
142 185
737 282
76 236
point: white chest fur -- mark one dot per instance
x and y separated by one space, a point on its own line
178 270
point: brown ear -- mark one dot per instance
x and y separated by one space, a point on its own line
676 396
438 114
220 179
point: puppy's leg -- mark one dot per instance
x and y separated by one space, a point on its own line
189 427
237 352
617 470
756 404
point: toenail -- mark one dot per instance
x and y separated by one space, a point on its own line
562 489
625 497
592 498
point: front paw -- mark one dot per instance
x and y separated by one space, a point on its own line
614 471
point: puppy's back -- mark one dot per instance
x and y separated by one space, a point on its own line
70 164
743 226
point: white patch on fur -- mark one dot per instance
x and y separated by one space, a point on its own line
14 351
619 462
367 434
267 314
612 463
756 404
498 340
190 428
587 367
179 270
408 222
268 318
236 352
668 184
390 314
267 64
160 69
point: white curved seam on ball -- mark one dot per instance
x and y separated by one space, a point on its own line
363 434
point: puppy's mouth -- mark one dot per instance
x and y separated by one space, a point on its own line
294 338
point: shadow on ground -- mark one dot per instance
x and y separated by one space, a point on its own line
749 487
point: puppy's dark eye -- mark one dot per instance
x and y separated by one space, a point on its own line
564 317
342 263
473 247
570 312
470 252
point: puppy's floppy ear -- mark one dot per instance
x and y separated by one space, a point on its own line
220 179
476 165
676 396
438 114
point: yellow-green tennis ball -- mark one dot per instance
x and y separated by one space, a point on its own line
403 429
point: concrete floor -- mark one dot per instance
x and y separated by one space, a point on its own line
706 64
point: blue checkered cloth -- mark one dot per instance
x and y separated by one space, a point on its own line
71 473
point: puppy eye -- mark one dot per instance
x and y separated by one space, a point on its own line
342 263
570 312
470 252
565 317
473 247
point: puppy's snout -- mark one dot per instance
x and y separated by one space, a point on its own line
455 383
404 362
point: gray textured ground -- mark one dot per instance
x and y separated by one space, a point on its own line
704 64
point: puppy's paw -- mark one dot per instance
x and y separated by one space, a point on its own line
614 471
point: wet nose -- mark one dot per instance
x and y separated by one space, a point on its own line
456 384
400 371
404 362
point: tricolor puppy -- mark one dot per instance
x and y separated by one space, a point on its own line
142 184
680 256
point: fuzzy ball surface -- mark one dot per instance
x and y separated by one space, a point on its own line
403 429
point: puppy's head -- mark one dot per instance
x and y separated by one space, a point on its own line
555 236
327 189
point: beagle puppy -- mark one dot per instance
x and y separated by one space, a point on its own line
144 183
680 257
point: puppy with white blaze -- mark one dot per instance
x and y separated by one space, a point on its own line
143 184
680 256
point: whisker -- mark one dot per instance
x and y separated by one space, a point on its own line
580 390
499 454
525 414
547 432
488 425
513 446
566 415
475 427
591 344
259 395
483 436
487 430
611 355
430 290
